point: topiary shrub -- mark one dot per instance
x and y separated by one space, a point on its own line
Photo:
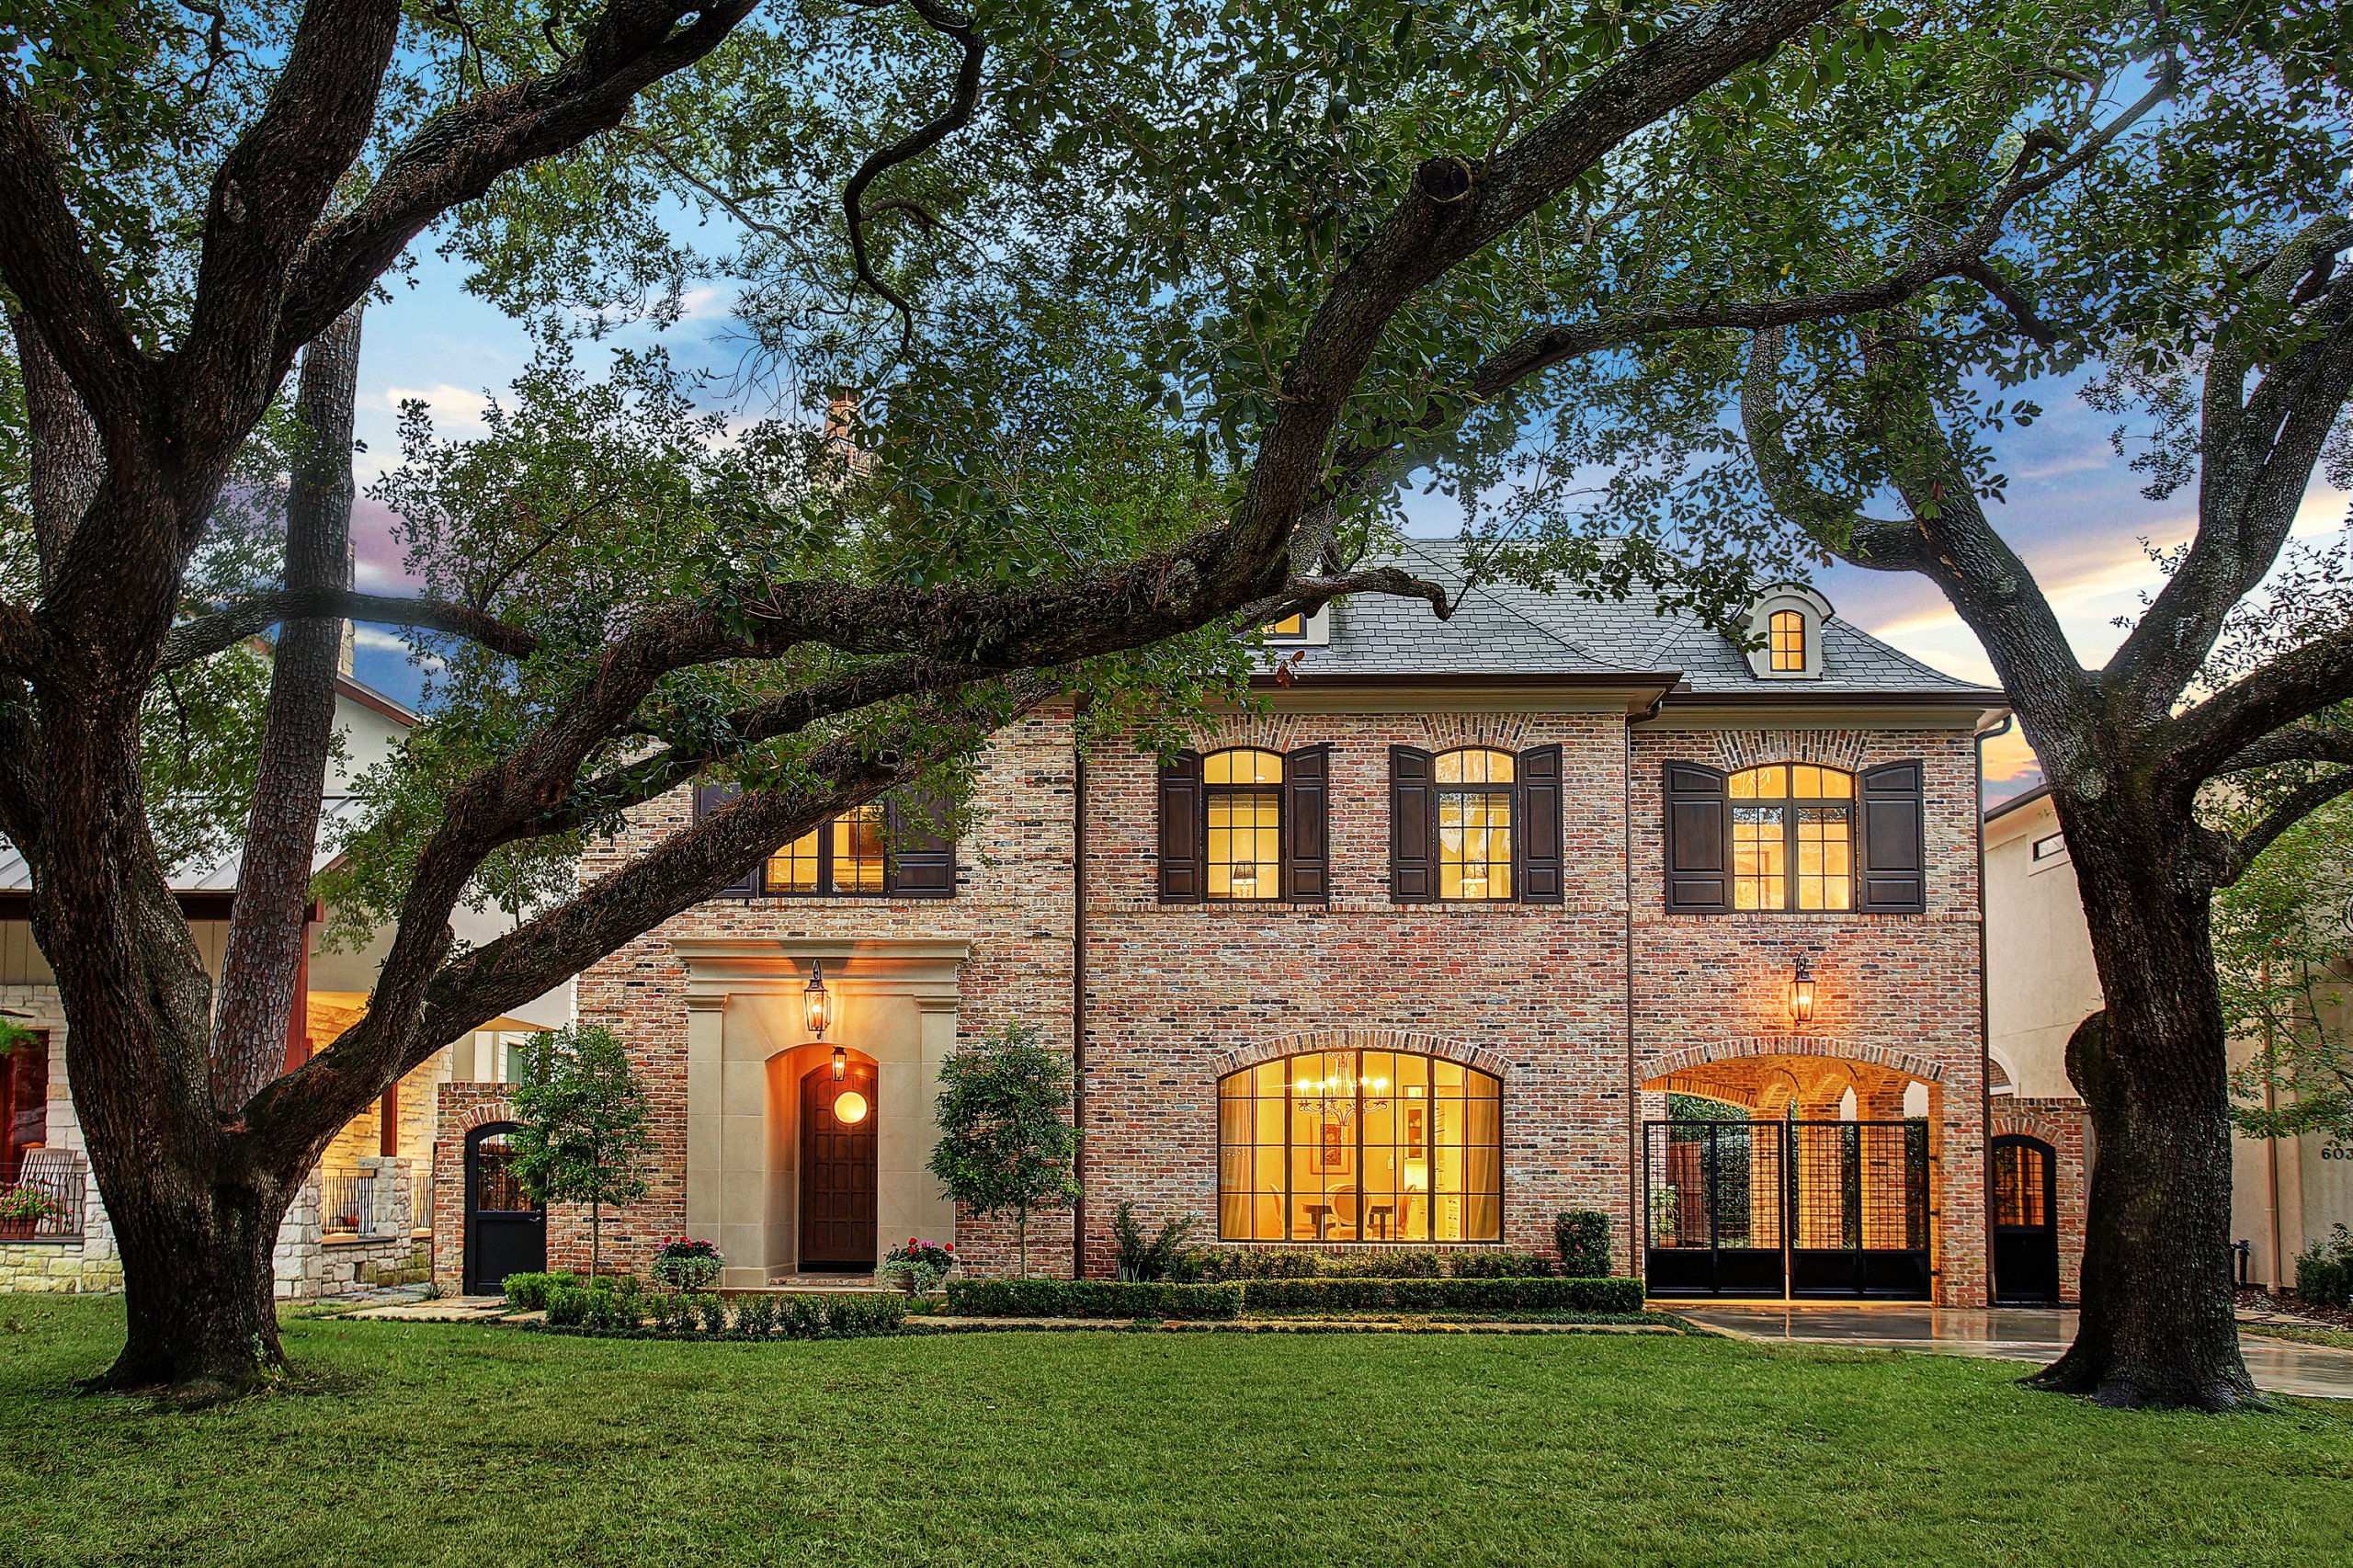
1582 1238
1502 1294
1091 1299
757 1316
1499 1266
800 1317
528 1293
610 1310
567 1305
856 1317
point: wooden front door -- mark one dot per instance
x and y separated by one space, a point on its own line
837 1172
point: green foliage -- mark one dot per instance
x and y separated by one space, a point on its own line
1619 1295
1092 1299
1498 1265
528 1293
1156 1258
584 1124
1004 1142
2325 1271
567 1306
2282 934
1581 1236
1698 1107
1250 1263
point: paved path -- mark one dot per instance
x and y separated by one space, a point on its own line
2011 1334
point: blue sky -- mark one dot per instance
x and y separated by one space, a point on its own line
2074 512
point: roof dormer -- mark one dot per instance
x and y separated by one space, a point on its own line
1786 624
1301 631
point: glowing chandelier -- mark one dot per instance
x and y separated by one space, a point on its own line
1334 1096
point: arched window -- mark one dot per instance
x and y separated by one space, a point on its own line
1474 823
1242 793
1361 1146
1792 838
1786 641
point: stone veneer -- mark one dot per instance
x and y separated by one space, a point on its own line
1585 1008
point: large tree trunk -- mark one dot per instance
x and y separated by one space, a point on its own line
2157 1326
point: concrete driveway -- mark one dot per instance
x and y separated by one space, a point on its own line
2010 1333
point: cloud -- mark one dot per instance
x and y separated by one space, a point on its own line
454 408
2082 460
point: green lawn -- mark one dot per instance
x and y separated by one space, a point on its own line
492 1448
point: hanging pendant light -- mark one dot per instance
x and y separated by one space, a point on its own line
841 1063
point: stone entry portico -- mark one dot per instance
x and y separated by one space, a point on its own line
748 1046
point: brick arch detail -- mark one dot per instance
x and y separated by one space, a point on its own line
1903 1061
484 1115
1464 1051
1504 731
2003 1124
1842 749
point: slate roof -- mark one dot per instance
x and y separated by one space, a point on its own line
1504 629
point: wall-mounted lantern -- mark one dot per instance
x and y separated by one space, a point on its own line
819 1005
841 1064
1802 992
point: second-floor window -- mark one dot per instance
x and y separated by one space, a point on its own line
1796 837
1475 825
1244 825
881 849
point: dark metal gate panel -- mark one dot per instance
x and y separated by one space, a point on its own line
1716 1222
2026 1220
1859 1203
506 1228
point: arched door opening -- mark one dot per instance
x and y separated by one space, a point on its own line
2026 1220
837 1169
506 1228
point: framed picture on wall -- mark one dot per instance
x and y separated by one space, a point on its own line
1330 1156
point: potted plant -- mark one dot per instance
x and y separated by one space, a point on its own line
918 1266
686 1264
22 1208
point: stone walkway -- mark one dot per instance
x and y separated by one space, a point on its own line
2011 1334
447 1309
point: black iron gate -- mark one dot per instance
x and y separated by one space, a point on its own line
1814 1208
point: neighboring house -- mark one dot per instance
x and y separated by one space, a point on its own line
365 1214
2284 1193
1412 959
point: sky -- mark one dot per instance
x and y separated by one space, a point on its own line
2074 511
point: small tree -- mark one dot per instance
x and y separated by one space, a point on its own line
583 1136
1003 1142
2282 936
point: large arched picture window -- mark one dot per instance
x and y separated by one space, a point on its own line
1361 1146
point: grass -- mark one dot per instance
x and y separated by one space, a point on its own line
462 1444
2341 1338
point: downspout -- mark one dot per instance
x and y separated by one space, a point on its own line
1637 1151
1985 1020
1078 986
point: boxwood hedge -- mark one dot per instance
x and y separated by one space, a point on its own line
1091 1299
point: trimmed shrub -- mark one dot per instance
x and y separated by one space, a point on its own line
611 1310
1383 1266
755 1315
528 1293
712 1312
800 1317
855 1317
2324 1271
1499 1266
1500 1294
567 1305
1091 1299
1582 1238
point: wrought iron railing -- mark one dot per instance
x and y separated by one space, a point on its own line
348 1204
50 1199
420 1200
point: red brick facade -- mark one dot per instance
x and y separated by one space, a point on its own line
1583 1009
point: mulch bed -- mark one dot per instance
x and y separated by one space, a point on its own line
2295 1306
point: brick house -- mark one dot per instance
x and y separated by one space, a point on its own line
1414 956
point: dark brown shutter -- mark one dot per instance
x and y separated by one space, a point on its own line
1541 876
709 798
1894 840
1412 827
1180 830
1307 813
923 861
1698 864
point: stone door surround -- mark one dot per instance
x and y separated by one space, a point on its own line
747 1043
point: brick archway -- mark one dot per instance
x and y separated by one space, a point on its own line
1832 1046
1464 1051
484 1115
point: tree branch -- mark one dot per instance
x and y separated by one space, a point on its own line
963 96
2300 803
200 639
2302 742
2207 740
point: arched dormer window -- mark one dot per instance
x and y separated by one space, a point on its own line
1361 1146
1785 633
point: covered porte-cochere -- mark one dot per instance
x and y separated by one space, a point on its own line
1790 1177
